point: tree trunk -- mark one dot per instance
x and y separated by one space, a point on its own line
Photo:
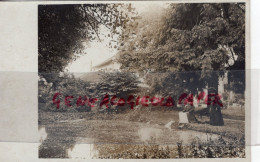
215 114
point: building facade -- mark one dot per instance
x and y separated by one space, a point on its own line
108 65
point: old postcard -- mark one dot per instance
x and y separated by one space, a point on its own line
143 80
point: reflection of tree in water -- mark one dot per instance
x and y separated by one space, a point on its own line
56 145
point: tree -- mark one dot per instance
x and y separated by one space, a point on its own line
119 84
208 38
65 84
213 42
65 30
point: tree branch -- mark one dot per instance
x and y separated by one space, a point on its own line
92 16
90 23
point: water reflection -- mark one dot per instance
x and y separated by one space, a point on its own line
42 134
83 151
149 134
153 135
187 137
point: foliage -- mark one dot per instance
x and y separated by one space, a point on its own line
65 84
190 37
209 38
118 83
219 148
65 30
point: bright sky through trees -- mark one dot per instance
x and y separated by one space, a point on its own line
97 51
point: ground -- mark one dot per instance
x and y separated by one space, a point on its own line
135 133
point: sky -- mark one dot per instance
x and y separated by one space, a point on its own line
97 51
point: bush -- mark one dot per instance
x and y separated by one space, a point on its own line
65 84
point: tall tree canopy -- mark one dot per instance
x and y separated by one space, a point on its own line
190 37
65 30
208 38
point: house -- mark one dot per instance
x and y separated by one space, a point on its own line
108 65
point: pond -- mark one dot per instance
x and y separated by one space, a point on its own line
80 146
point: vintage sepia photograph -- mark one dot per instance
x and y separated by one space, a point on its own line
142 80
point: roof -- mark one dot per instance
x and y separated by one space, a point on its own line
105 62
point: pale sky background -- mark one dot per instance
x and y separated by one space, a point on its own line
97 52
